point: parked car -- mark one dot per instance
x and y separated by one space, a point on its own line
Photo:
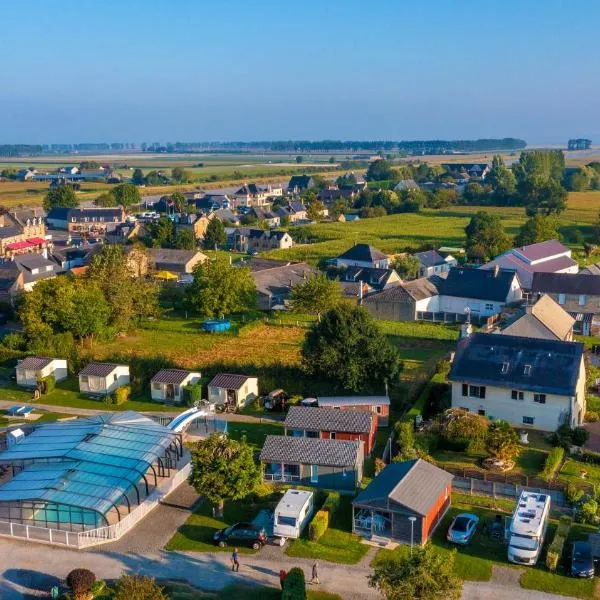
582 562
241 534
462 528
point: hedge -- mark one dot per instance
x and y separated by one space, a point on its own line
553 462
332 503
294 586
121 394
48 383
318 525
192 393
555 550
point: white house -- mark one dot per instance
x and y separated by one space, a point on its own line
529 382
167 385
433 263
238 390
363 255
544 257
33 368
103 378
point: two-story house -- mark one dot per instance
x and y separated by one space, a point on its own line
304 421
433 263
251 194
375 279
578 294
529 382
94 222
363 255
246 239
300 183
22 232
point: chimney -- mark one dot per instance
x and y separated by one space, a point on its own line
496 271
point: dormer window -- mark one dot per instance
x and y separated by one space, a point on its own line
527 370
505 366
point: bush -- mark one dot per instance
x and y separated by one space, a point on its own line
318 525
332 503
553 462
580 436
47 384
14 341
192 393
564 524
573 494
566 437
131 587
80 582
554 553
294 586
587 512
121 395
405 440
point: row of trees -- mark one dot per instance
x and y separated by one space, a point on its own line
64 196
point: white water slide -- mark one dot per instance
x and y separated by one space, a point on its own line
181 421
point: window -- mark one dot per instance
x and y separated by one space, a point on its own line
540 398
378 410
289 521
527 370
332 435
561 298
489 306
477 391
505 366
517 395
115 377
465 389
314 473
581 299
528 420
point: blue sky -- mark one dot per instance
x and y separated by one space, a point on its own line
179 70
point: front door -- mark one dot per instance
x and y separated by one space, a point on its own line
170 391
314 473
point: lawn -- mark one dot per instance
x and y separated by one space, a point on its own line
338 544
255 433
571 472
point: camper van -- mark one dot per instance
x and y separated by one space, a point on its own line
292 513
528 528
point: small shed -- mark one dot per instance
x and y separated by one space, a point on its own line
33 368
228 388
405 502
103 378
167 385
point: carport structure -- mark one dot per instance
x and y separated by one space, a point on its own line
86 473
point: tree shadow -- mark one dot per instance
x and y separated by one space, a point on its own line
32 580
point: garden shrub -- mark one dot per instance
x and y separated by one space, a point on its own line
554 553
553 462
192 393
14 341
580 436
80 582
566 437
48 383
564 524
573 494
318 525
294 586
405 440
121 395
587 512
332 503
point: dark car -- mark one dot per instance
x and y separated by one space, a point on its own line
241 534
582 562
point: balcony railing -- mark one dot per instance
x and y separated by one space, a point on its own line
281 477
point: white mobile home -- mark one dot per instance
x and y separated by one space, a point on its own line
103 378
528 528
33 368
236 390
292 513
167 385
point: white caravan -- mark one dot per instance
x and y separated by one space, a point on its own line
528 528
292 513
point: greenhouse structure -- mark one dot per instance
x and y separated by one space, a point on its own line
86 473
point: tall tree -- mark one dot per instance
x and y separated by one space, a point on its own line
126 194
215 235
316 294
380 170
180 175
223 469
184 240
219 288
138 177
106 199
315 210
61 197
426 574
347 345
537 229
161 232
407 266
502 181
178 201
486 237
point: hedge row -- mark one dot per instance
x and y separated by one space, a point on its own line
555 550
590 457
332 503
318 525
192 393
48 383
553 462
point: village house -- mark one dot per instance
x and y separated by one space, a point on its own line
363 255
300 183
251 194
468 170
168 384
293 211
22 232
34 268
545 319
404 503
529 382
32 369
175 261
303 421
578 294
12 282
196 223
211 202
58 218
94 222
246 239
375 279
234 390
406 185
315 462
379 405
330 194
262 214
102 379
433 263
544 257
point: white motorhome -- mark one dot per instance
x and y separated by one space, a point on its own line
528 528
292 513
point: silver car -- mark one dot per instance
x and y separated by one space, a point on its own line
462 528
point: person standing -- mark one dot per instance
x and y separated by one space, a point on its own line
282 576
315 574
235 563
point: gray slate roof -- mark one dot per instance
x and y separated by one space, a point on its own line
34 363
98 369
228 381
323 419
314 451
415 484
480 284
430 258
363 253
501 360
170 376
566 283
